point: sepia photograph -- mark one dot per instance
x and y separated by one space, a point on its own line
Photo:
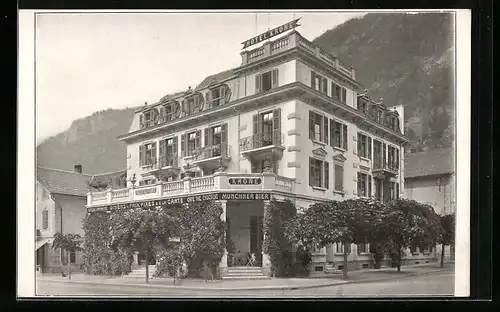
245 154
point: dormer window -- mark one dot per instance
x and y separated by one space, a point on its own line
218 96
362 105
148 118
193 104
339 93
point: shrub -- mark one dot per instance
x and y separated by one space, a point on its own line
169 263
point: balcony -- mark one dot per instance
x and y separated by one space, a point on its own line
263 145
162 167
384 170
210 157
219 182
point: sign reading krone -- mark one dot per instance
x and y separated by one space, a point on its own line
270 33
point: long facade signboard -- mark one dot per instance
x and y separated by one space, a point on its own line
270 33
182 200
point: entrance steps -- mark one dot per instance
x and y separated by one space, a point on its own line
245 273
140 272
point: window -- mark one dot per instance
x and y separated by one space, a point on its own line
364 185
168 151
377 154
338 134
266 81
72 256
393 157
45 219
192 104
190 142
364 146
339 177
339 93
172 111
147 154
148 118
267 128
318 127
394 190
362 248
258 166
362 105
340 247
318 173
319 83
218 96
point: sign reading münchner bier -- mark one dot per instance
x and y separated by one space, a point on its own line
270 33
183 200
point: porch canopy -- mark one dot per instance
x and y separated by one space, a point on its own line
42 241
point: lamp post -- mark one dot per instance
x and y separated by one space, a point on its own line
133 180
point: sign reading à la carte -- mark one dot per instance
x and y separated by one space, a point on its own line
150 204
270 33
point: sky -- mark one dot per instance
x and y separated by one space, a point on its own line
91 62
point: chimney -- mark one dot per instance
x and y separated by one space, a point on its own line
78 168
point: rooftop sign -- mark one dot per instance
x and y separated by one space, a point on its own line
270 33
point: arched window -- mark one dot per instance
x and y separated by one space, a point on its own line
218 95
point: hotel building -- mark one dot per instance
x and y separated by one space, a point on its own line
290 122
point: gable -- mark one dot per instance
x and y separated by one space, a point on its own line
320 151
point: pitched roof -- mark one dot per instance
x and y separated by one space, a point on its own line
432 162
105 177
63 182
214 78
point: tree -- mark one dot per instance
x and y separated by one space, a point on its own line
448 233
352 221
407 223
201 232
276 244
69 243
142 229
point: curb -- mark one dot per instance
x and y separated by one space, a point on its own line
288 287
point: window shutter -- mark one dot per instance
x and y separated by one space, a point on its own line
227 94
313 76
141 120
369 186
311 171
344 95
327 175
325 129
183 145
345 137
369 148
255 124
207 135
163 146
184 108
208 98
174 148
223 140
384 156
277 126
311 125
201 102
359 184
177 109
141 155
359 145
257 83
332 132
197 140
275 77
324 86
397 158
153 153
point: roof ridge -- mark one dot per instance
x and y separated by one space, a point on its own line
66 171
96 174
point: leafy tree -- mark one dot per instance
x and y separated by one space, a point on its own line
448 233
276 244
69 243
201 233
142 229
407 223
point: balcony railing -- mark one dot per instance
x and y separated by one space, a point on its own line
259 140
210 152
220 181
161 162
379 165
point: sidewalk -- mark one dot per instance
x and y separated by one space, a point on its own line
359 276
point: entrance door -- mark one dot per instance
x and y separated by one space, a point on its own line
256 237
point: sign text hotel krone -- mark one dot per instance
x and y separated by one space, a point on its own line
149 204
270 33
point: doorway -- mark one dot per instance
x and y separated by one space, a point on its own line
256 237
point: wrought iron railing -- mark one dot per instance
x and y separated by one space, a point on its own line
262 139
210 151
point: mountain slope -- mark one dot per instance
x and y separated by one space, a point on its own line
405 59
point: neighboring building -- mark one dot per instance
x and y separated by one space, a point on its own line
60 207
113 180
430 179
290 122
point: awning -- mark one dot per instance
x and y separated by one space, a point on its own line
41 242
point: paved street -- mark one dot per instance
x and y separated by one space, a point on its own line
433 284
